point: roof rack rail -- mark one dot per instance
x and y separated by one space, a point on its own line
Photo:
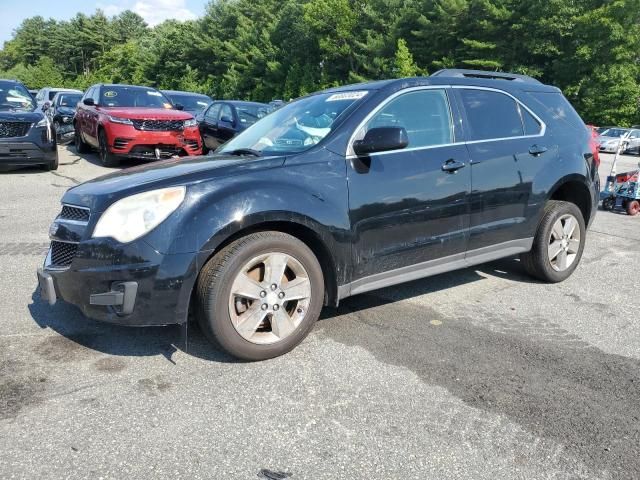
463 73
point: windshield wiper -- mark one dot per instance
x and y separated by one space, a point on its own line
244 151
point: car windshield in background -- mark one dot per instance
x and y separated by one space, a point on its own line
14 97
191 103
69 100
117 96
297 126
614 132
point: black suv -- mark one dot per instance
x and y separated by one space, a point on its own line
335 194
26 136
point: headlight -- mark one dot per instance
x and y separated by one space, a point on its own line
135 216
123 121
67 119
190 123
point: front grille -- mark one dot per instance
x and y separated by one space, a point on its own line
158 125
74 213
62 253
14 129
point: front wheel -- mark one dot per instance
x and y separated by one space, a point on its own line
259 297
609 203
558 244
633 208
106 157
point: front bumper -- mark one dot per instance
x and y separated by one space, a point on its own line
36 148
123 284
125 141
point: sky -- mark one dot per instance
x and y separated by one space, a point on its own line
153 11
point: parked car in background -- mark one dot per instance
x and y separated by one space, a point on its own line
609 140
61 113
223 120
34 93
26 137
45 95
127 121
405 179
194 103
599 130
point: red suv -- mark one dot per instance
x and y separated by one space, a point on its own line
124 121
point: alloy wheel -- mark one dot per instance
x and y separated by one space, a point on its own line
269 298
564 243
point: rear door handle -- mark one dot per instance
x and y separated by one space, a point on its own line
537 150
452 166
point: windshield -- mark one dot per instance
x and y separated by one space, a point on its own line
14 96
119 96
69 100
614 132
192 103
297 126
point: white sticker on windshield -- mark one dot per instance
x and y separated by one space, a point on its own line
336 97
154 94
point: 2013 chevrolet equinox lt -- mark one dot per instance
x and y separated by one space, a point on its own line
338 193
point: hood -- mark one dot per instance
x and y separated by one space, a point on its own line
135 113
31 117
101 192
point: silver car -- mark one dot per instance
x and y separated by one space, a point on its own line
609 140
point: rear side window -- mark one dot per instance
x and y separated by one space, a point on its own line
531 125
559 108
491 115
424 114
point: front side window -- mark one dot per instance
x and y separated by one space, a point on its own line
491 115
132 97
213 112
424 114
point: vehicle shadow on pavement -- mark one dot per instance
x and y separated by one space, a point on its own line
118 340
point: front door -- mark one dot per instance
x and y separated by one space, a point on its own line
209 126
409 208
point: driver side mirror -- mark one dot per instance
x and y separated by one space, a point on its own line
89 102
381 139
226 119
179 106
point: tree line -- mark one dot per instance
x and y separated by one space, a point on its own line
266 49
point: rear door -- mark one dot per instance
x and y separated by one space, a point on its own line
507 148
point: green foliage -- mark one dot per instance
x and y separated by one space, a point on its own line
265 49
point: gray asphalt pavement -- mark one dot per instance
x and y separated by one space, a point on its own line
477 374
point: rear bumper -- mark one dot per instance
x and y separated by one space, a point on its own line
127 285
126 141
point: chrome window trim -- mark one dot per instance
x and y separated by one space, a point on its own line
350 154
543 125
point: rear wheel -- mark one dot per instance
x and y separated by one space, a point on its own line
633 208
106 157
260 296
558 244
81 146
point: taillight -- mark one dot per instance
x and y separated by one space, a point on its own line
596 152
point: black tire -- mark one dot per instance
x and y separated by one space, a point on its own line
609 203
536 262
53 165
81 146
214 285
106 157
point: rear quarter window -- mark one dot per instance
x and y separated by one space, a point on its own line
559 108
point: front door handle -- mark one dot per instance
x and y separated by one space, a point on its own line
452 166
537 150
